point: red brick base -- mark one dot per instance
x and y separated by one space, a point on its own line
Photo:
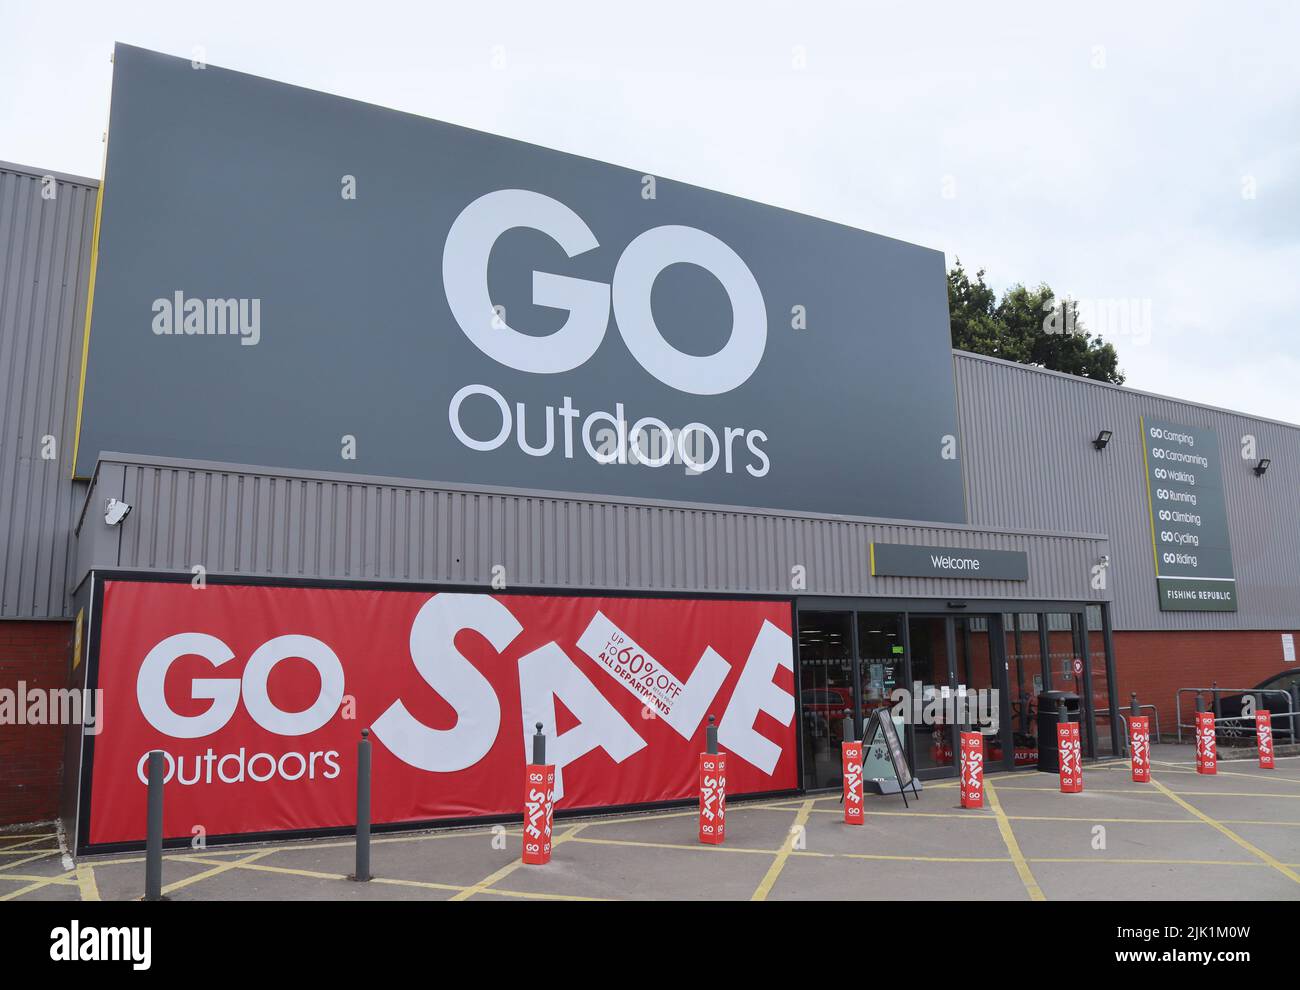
31 756
1157 664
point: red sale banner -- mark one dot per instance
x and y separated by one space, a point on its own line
851 764
713 797
1070 753
1264 739
539 813
1207 758
1139 744
257 696
972 770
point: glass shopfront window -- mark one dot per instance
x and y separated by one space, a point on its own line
987 668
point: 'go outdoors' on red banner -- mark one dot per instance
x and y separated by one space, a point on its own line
258 694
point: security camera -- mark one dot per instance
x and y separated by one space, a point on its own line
1104 560
115 511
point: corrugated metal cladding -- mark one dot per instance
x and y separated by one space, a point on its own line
44 270
1028 461
254 522
1028 466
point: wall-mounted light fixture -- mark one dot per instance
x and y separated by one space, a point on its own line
1103 438
1262 466
115 510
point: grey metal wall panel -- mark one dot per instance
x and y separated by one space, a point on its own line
1028 461
44 272
236 520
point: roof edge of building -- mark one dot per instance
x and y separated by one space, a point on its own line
957 353
28 170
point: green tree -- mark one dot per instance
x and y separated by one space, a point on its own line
1029 326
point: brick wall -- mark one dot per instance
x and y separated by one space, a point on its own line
1156 664
31 756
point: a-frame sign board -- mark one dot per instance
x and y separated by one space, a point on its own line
882 722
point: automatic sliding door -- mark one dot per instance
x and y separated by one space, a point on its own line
931 681
981 681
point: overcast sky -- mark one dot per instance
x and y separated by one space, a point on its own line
1145 155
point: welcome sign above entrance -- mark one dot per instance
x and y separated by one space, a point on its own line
904 560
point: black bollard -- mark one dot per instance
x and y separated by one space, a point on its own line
711 738
539 747
1218 711
154 833
1295 711
848 730
363 808
1134 708
1200 702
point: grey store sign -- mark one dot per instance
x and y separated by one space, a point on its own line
291 279
904 560
1189 520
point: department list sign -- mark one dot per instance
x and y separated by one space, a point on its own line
1189 524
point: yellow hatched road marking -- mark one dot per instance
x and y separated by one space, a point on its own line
36 878
215 871
778 864
1013 847
483 885
701 847
16 848
86 881
30 859
1254 850
1147 862
925 859
35 886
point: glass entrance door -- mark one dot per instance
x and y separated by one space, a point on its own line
952 667
982 685
958 677
826 692
930 682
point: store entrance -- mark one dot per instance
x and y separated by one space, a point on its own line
958 681
934 672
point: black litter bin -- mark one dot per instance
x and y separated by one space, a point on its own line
1049 760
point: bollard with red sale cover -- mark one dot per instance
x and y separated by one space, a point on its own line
1070 753
713 798
851 760
972 770
1139 742
1207 757
539 804
1264 738
713 789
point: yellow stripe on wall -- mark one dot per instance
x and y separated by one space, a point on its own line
1151 512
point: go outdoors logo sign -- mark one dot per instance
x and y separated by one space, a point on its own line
436 303
587 303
